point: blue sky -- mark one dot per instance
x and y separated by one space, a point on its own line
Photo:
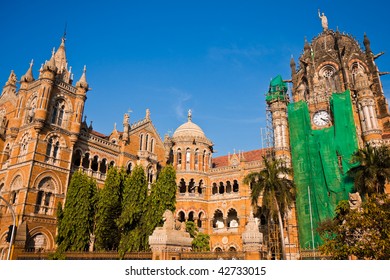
213 57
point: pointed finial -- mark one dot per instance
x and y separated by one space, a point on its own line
367 43
28 77
11 79
189 117
114 125
51 64
64 36
83 80
147 115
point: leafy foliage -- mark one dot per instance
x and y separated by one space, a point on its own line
373 170
363 233
77 224
162 197
133 206
109 209
201 241
276 190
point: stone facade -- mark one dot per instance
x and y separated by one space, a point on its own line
44 139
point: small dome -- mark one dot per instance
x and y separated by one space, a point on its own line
189 129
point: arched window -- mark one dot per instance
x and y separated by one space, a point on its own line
150 175
103 166
58 112
129 168
52 148
191 216
200 218
152 146
45 197
221 188
16 185
182 186
191 186
218 219
146 142
37 243
196 159
228 187
215 188
232 218
181 217
77 158
331 81
86 161
188 157
141 141
178 156
200 187
95 163
235 186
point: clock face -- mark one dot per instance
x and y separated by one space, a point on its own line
321 118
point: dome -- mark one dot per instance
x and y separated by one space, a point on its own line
189 129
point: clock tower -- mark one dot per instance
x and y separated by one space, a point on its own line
338 106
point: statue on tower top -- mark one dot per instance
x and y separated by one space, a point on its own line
189 117
324 20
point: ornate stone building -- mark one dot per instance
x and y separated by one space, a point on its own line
43 139
337 105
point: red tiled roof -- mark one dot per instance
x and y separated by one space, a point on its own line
98 134
248 156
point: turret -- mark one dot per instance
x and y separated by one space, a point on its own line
277 100
126 127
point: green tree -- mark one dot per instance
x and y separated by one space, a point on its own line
363 233
109 209
201 241
135 193
373 171
276 190
162 197
77 224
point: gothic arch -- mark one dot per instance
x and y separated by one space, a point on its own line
52 134
58 188
40 231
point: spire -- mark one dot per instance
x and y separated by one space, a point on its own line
83 80
189 117
367 43
28 77
292 64
60 55
11 79
306 46
51 64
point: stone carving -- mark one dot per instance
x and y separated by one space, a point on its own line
355 201
169 221
252 238
324 20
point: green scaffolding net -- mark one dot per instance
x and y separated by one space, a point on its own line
277 89
321 159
